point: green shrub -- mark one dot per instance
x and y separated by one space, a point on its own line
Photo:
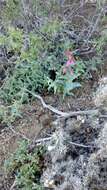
26 166
11 10
44 54
100 43
63 84
32 70
13 40
51 28
8 114
35 49
25 76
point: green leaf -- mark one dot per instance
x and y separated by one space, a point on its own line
69 86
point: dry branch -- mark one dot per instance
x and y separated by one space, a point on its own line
63 114
81 145
13 185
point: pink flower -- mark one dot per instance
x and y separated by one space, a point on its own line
71 61
64 70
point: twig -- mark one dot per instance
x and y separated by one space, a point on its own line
94 25
63 114
73 143
13 185
43 140
103 116
81 145
85 112
38 142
